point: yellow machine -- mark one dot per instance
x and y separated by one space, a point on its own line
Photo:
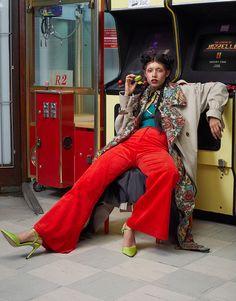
216 170
173 26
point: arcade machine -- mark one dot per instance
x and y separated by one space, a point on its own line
204 47
139 27
62 84
207 33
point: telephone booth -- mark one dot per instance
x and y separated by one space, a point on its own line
63 94
200 35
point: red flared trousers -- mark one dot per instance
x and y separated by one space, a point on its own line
146 149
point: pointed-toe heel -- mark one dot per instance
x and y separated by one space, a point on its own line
14 241
128 251
12 238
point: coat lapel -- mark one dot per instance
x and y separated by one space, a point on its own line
172 120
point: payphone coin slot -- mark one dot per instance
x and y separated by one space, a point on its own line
38 143
89 159
53 110
46 110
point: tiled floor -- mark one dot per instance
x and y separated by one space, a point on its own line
97 270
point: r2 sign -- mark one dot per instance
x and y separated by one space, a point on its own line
62 78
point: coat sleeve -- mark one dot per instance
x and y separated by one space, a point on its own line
213 96
126 113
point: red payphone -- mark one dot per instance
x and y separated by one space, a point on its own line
55 138
64 142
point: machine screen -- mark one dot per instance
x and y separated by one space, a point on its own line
216 53
158 41
130 54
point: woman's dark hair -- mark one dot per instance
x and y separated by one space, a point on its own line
152 56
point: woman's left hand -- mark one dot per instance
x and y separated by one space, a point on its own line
216 127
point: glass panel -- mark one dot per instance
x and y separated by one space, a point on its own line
111 58
5 87
84 108
63 45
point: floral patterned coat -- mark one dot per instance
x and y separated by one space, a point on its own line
180 110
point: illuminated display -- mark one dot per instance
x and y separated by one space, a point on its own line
216 53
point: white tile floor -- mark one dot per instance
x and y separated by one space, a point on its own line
97 270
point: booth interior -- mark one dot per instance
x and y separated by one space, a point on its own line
207 43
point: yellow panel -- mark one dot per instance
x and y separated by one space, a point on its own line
176 2
215 190
124 4
111 101
234 138
226 149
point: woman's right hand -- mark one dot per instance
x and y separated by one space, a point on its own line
130 84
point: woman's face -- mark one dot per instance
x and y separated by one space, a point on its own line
156 74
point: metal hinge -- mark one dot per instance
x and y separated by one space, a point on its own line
221 165
91 4
29 7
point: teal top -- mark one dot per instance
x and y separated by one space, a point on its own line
148 117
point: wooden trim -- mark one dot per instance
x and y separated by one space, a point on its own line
101 73
23 119
36 3
29 78
16 176
80 91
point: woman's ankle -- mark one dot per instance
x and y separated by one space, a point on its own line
29 235
129 237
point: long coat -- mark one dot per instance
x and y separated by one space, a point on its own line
187 102
180 110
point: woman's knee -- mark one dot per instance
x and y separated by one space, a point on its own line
170 172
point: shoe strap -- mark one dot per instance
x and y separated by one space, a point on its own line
125 227
36 236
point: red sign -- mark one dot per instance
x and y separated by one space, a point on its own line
110 38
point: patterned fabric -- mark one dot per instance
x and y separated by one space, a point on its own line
172 95
172 120
185 192
172 123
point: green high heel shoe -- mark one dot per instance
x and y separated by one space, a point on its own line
128 251
14 241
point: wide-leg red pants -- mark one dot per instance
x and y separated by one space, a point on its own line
146 149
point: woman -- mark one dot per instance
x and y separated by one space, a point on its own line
151 136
